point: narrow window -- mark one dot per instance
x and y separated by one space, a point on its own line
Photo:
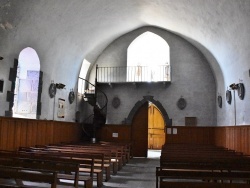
83 74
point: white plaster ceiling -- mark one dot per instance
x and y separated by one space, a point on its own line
64 32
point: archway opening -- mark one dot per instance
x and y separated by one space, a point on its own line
26 87
148 131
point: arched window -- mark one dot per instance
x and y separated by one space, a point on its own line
148 59
26 88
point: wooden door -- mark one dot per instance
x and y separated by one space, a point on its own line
156 128
140 131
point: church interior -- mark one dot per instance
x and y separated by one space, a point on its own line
116 81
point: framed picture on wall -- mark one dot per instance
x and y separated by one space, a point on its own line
61 108
1 86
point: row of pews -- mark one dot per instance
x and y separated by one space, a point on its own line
63 164
198 165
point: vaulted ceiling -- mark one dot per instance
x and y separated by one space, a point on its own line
65 32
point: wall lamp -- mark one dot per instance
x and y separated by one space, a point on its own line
60 85
234 86
52 91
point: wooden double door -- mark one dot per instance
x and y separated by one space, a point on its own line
156 128
147 130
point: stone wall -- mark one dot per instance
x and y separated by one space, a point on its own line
192 79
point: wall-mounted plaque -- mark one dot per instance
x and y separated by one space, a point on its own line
190 121
1 86
52 90
71 97
220 101
241 91
228 96
181 103
116 102
61 108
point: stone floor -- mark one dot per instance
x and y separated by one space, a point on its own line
138 173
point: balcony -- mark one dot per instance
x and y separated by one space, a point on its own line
134 74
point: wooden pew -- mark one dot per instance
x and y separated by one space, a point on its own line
122 150
27 174
117 152
127 147
110 155
199 162
63 166
96 157
233 179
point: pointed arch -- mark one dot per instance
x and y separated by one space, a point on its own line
148 57
139 104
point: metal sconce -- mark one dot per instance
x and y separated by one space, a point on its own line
234 87
60 85
241 93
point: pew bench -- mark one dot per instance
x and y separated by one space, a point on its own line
117 155
198 165
126 147
27 174
120 152
67 168
194 178
109 159
96 158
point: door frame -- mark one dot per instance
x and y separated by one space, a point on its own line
139 104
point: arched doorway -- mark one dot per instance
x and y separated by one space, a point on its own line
139 118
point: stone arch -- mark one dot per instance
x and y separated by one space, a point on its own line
145 99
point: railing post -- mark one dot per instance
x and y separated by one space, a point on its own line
93 139
96 73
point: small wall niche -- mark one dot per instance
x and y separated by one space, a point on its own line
1 86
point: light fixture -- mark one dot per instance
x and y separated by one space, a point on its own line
52 93
1 58
60 85
234 86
